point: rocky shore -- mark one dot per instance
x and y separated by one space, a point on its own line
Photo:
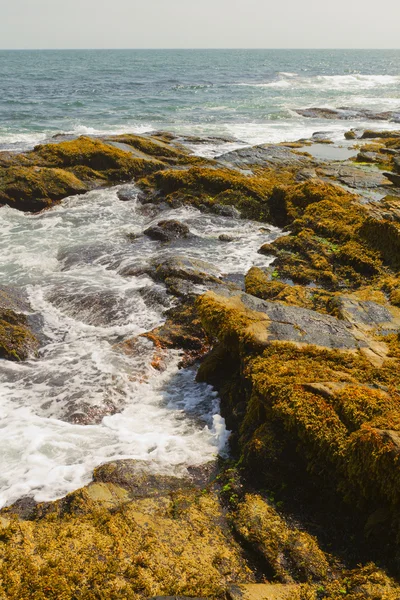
305 355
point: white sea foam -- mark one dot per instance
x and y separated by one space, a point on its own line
351 82
69 262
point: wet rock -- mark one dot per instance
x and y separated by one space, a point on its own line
182 330
37 179
370 134
94 307
168 230
350 135
224 237
127 193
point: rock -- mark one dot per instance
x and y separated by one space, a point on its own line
182 330
190 269
358 177
370 133
127 193
293 555
305 174
136 537
263 591
168 230
135 478
348 113
226 211
17 342
35 180
267 155
224 237
393 177
350 135
264 322
382 319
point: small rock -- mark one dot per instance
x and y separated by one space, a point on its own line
224 237
127 193
168 230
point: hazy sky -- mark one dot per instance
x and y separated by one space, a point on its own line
199 24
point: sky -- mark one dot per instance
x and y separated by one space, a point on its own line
29 24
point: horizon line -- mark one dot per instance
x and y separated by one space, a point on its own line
188 48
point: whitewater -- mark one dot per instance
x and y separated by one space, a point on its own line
84 401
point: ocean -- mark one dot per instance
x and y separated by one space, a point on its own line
251 95
83 402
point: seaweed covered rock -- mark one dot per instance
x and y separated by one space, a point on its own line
307 389
93 154
35 188
17 341
208 188
293 555
50 172
136 537
335 241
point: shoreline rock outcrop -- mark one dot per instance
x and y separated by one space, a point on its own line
307 364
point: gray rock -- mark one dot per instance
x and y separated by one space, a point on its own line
295 324
267 155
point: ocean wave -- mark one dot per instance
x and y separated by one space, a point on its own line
328 82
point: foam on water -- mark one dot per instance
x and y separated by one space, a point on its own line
84 401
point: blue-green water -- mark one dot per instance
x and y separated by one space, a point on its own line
248 94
